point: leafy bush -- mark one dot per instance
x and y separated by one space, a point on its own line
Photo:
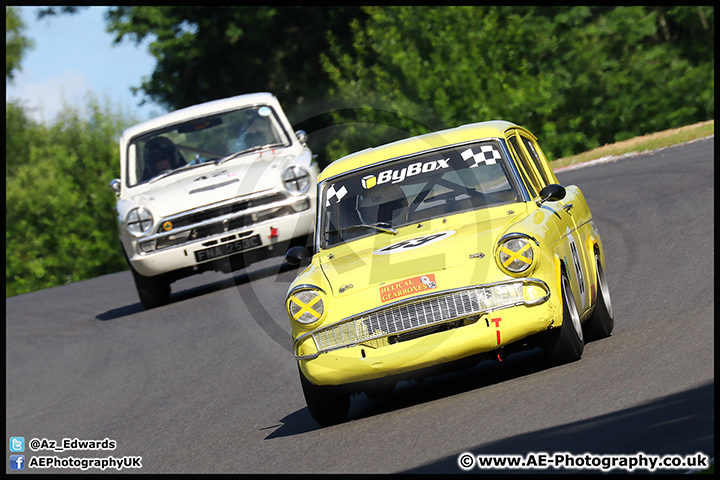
579 77
60 226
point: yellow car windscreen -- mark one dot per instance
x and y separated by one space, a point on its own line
414 189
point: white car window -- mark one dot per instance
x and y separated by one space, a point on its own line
200 140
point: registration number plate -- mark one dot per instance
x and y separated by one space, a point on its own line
225 249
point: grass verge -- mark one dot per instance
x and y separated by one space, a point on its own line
651 141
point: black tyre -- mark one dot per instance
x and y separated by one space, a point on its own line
328 405
153 291
602 321
566 344
380 388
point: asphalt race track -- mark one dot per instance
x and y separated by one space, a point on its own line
207 384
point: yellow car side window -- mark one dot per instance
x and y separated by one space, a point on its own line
529 176
535 157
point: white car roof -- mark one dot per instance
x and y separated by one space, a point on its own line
204 109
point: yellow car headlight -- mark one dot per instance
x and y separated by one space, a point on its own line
305 305
515 253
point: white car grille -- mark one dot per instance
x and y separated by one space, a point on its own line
209 222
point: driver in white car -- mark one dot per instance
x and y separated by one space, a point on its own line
160 155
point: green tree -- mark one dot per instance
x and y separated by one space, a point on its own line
19 132
16 44
577 76
209 52
60 219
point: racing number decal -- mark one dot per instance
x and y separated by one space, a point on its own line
578 267
413 243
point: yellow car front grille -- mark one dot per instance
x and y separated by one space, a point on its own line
421 312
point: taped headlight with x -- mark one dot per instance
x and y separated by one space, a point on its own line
516 255
305 306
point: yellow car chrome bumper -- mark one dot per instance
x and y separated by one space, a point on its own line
390 340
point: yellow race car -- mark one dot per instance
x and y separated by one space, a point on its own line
436 252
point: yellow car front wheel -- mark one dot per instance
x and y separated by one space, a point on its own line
566 344
328 405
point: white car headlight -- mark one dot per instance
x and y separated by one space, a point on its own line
296 179
139 221
515 253
305 306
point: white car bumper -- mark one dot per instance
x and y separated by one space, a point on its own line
219 237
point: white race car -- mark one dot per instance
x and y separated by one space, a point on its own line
215 186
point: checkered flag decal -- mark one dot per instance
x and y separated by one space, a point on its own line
488 155
335 195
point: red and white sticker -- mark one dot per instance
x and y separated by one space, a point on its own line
407 287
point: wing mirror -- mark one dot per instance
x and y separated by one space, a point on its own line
115 185
297 255
552 192
302 137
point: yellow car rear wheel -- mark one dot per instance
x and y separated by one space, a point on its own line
602 321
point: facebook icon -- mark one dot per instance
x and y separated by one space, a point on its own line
17 462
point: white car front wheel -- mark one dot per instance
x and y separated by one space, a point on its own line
153 291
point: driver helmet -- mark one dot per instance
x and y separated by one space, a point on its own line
157 149
386 204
